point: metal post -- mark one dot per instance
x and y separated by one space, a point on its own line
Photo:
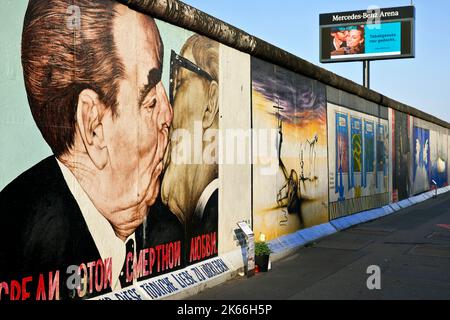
366 73
435 188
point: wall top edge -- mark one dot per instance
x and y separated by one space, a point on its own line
180 14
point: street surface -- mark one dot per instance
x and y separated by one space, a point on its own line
411 248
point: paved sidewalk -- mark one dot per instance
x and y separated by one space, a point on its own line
412 248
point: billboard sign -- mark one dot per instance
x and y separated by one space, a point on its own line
374 34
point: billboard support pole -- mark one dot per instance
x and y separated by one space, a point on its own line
366 73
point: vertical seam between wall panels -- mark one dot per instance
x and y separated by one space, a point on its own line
328 153
251 146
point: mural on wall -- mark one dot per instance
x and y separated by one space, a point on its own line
293 107
382 165
190 182
421 164
369 150
401 151
357 153
365 184
342 148
438 158
115 203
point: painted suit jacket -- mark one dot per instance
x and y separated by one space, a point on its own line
43 231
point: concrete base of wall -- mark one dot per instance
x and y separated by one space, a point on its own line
184 283
286 245
234 262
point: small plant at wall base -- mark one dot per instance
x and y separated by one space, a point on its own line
262 249
262 255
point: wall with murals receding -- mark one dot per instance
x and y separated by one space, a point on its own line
430 154
131 153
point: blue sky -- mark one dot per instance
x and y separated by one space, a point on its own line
293 25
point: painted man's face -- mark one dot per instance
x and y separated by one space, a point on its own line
195 96
417 155
137 136
190 99
425 152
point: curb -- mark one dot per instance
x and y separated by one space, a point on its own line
288 244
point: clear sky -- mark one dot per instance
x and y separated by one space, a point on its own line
293 25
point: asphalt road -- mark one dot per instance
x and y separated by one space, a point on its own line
411 247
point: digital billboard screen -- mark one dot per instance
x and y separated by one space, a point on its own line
367 35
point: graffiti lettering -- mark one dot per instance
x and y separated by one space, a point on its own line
184 279
166 256
203 246
130 294
53 287
19 290
93 275
198 274
156 289
214 268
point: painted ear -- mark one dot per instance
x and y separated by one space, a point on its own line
212 105
89 109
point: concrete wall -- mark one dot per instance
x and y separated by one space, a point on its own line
430 159
292 109
257 135
358 161
235 175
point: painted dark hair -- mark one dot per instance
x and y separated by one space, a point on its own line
62 56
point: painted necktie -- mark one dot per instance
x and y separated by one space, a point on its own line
128 263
